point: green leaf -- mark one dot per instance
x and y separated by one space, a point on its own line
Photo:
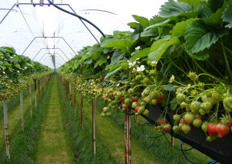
140 53
116 57
169 87
158 24
133 25
173 104
214 18
191 2
100 61
180 28
159 47
202 55
227 16
114 71
198 37
122 44
173 8
148 33
214 5
142 20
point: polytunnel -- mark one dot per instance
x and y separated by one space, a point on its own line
111 82
40 30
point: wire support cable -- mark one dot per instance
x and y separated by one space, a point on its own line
78 16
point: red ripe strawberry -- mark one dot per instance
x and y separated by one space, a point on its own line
135 99
222 130
124 106
211 128
136 109
198 116
101 78
160 98
166 127
182 121
121 99
229 123
162 121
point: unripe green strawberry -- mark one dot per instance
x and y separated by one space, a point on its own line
152 72
183 105
103 114
108 114
146 80
197 122
134 104
202 112
188 117
153 101
206 106
227 103
180 97
186 128
204 126
147 99
195 106
141 109
127 101
130 91
176 117
146 112
105 109
176 128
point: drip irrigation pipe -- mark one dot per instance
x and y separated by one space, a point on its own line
183 152
148 136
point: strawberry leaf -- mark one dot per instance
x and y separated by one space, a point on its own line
173 8
180 28
122 44
198 37
227 16
116 57
140 53
159 47
142 20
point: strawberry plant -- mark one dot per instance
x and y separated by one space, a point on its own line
179 60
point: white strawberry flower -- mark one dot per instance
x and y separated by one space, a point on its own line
141 68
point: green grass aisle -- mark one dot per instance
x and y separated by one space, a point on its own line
53 147
14 120
113 137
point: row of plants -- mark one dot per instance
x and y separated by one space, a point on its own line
179 60
23 144
17 72
81 138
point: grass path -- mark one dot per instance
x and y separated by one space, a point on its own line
14 120
53 147
113 137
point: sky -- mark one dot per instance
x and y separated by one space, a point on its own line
26 22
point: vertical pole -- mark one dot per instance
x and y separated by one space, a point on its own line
94 125
70 93
81 111
6 127
75 97
127 137
35 93
21 110
39 87
30 100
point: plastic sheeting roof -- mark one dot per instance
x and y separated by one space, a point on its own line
43 32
